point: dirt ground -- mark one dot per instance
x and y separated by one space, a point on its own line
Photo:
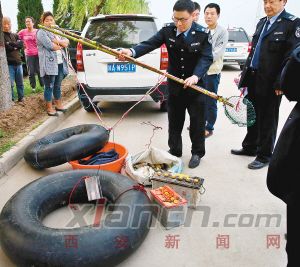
23 117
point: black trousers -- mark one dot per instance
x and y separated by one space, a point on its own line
262 135
177 106
33 68
293 231
284 180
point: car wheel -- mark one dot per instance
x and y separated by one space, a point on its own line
242 67
87 105
164 106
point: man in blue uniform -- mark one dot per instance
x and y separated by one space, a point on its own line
275 37
190 56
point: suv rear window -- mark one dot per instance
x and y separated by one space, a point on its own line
238 37
121 32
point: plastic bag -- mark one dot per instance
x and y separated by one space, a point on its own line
151 155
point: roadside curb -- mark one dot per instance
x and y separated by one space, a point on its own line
10 158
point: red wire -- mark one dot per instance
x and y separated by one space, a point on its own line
73 190
78 82
138 187
152 90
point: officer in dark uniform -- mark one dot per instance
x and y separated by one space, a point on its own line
275 37
284 170
190 56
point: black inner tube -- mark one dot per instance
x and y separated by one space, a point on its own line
27 242
68 144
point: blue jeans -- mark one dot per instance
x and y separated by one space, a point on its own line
16 75
211 83
53 84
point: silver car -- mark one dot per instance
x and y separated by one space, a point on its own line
238 47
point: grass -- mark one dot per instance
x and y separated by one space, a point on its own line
37 125
28 89
6 146
1 133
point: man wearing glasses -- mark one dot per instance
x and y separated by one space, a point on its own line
190 56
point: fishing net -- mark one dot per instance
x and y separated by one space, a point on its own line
241 112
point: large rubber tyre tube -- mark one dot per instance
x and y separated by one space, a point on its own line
68 144
27 242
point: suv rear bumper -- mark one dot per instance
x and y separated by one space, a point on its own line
228 61
124 94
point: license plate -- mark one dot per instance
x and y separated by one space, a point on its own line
231 49
121 67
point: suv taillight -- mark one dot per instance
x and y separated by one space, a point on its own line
249 47
164 57
79 58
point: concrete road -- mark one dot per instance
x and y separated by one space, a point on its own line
235 197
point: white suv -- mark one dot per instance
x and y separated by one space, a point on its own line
104 77
238 47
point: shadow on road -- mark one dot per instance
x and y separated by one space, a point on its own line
231 68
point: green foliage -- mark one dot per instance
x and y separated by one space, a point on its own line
6 146
74 13
28 89
32 8
126 7
2 134
55 7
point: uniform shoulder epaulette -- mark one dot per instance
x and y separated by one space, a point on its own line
289 16
200 28
169 24
263 18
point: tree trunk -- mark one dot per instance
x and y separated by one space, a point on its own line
5 90
99 7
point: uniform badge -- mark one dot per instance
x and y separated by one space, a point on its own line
297 33
291 17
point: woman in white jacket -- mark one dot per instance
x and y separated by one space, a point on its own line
53 63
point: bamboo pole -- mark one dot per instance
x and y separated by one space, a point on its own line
108 50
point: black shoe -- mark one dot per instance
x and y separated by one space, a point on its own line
243 152
256 164
194 161
175 154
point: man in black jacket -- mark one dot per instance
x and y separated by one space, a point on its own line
12 46
283 174
275 37
190 56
